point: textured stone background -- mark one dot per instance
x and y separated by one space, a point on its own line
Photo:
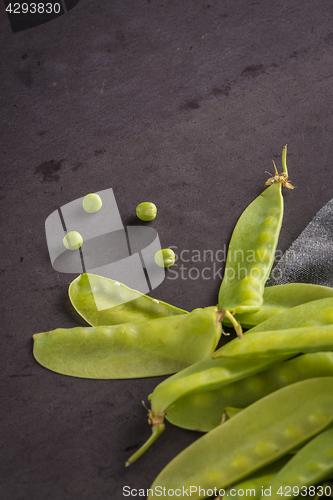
181 103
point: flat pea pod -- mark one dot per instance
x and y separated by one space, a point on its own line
117 303
204 375
203 410
311 314
290 341
252 249
281 298
145 349
310 465
257 436
254 485
209 375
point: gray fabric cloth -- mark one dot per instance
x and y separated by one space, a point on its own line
310 257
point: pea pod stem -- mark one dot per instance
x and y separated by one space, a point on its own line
158 426
284 160
237 326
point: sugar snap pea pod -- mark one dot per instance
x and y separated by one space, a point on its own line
314 313
280 298
310 465
252 248
257 436
254 485
145 349
289 341
202 410
206 374
117 303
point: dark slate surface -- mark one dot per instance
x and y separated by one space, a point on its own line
181 103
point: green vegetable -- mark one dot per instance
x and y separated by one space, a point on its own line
146 211
165 257
116 302
257 482
145 349
204 375
290 342
73 240
281 298
252 249
256 437
92 203
311 464
203 410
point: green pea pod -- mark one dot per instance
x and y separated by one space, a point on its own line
258 482
257 436
313 463
116 302
312 314
145 349
206 374
315 313
252 249
281 298
203 410
290 341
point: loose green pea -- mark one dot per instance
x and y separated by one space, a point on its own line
146 211
233 451
73 240
165 257
116 302
310 465
130 350
92 203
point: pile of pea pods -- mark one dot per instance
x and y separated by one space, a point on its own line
264 401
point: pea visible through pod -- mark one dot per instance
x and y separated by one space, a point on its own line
254 485
203 410
204 375
252 248
116 302
261 434
310 465
216 373
145 349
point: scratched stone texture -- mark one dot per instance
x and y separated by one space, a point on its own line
184 104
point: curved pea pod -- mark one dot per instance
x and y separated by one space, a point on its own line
311 464
257 436
252 249
145 349
254 485
203 410
281 298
